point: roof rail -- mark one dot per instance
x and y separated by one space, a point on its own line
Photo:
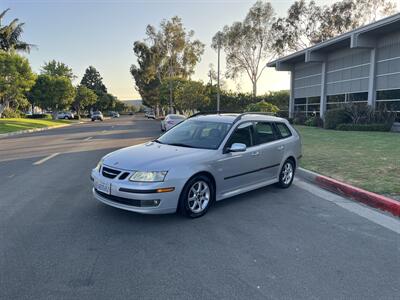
252 113
212 112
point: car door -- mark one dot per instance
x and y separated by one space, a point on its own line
271 150
237 169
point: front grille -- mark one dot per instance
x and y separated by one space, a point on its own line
110 173
123 176
130 202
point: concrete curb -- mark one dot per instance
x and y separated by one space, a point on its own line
4 135
347 190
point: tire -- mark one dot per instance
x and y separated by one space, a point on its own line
194 205
92 120
286 174
66 118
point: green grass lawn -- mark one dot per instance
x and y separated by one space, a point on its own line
17 124
369 160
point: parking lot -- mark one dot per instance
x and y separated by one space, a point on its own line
56 241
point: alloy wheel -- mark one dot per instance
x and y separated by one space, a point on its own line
287 173
199 196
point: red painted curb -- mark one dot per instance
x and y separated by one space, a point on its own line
369 198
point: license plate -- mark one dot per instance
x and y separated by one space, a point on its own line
102 186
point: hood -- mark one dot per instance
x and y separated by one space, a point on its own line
153 156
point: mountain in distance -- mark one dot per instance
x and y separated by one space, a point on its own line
137 103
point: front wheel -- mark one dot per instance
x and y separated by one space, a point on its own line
287 174
196 197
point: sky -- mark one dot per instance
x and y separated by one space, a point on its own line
101 33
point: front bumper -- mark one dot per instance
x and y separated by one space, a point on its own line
147 201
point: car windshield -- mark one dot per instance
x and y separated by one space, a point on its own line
196 134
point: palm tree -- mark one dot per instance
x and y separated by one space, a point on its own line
10 36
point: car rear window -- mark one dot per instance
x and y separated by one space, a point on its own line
264 132
283 130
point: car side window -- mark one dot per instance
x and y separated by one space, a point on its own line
284 131
243 134
264 132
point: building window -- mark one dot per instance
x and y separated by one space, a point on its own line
308 106
388 100
336 101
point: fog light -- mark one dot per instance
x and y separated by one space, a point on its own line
150 203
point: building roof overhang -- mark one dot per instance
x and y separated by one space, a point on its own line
362 37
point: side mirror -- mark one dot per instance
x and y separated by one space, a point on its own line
237 147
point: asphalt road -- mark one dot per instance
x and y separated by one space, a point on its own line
57 242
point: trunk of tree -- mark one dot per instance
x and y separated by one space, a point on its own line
254 89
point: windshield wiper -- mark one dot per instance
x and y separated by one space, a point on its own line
158 141
181 145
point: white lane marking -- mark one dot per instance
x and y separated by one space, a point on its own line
88 138
371 214
45 159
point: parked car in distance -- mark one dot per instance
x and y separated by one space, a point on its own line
203 159
65 115
170 121
150 115
114 114
97 115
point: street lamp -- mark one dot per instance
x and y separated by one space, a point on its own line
219 40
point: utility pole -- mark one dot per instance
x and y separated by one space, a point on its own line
170 89
218 70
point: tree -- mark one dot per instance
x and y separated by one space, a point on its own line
106 102
146 76
188 95
56 68
92 80
53 93
10 35
307 24
16 78
371 10
167 53
84 99
247 44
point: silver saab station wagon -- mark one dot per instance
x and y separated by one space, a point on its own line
205 158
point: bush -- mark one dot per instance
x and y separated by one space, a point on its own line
11 113
314 121
262 106
363 127
299 119
283 114
40 116
334 117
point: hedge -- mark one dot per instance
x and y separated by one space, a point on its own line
363 127
39 116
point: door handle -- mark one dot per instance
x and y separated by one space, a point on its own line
281 147
255 153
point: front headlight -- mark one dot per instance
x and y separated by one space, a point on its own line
155 176
98 166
